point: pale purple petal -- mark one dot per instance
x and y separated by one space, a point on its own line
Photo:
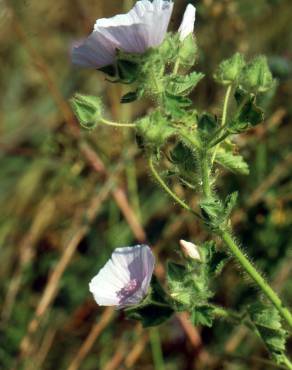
187 24
95 52
125 278
141 28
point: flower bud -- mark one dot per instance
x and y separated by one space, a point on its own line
190 250
256 76
155 129
188 50
187 25
87 109
229 70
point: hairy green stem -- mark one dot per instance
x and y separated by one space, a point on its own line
225 105
224 118
176 66
218 141
241 258
116 124
156 349
167 189
205 175
253 273
287 363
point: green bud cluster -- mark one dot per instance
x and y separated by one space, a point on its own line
155 129
188 283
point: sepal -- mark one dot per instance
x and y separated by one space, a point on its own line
203 315
155 309
256 76
87 109
155 129
229 70
188 51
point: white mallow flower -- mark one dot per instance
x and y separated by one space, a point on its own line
190 250
187 24
143 27
125 278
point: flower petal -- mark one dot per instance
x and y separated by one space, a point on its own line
96 51
187 25
106 284
125 278
142 27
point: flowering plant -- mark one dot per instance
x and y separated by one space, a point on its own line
135 49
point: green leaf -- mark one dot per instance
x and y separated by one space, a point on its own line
230 203
251 114
268 324
176 276
174 105
202 315
207 125
232 162
212 211
154 309
184 157
218 261
88 110
127 70
183 85
214 259
229 70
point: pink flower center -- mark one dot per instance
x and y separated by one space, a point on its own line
129 289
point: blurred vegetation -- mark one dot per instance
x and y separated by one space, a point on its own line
69 197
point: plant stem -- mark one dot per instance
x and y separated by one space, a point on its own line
168 190
205 175
253 273
156 349
233 316
242 259
287 363
225 105
116 124
224 118
176 66
217 141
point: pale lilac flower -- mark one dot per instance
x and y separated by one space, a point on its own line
143 27
187 24
124 280
190 250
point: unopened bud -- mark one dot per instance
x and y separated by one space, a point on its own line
190 250
229 70
88 110
256 76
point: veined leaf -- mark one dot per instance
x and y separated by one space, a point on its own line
234 163
183 85
268 324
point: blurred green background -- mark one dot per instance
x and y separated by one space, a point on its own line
69 197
